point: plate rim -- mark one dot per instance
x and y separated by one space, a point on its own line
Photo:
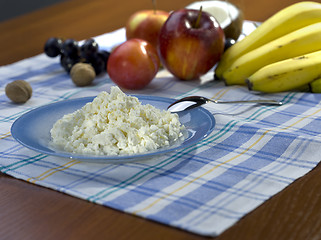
106 158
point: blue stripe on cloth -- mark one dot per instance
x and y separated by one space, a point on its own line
206 193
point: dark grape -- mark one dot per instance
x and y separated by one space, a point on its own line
216 78
104 55
89 49
71 53
67 62
98 64
70 48
53 47
229 42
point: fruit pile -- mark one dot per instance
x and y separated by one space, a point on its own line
135 63
282 54
187 42
71 52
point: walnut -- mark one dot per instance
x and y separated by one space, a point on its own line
82 74
18 91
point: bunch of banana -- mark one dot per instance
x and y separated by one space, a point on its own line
285 42
288 74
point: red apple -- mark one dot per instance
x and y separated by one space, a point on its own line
146 24
190 43
133 64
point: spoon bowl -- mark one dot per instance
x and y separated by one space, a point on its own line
191 102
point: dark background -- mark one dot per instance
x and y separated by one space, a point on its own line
14 8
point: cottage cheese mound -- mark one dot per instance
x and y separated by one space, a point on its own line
115 124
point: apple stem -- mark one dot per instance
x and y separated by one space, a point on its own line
154 5
197 23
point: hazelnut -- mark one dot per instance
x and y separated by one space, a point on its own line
82 74
18 91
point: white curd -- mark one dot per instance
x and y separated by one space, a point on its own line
115 123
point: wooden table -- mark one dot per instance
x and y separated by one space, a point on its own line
28 211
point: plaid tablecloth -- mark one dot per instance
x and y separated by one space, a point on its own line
253 153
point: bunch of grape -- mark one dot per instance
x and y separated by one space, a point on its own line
71 53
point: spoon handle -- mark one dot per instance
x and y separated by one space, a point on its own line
260 101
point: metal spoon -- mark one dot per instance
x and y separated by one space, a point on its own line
187 103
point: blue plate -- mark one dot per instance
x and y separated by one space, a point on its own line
32 129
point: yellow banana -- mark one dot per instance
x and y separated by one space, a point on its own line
287 74
315 86
283 22
299 42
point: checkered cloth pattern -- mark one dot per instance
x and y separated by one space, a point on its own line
254 152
